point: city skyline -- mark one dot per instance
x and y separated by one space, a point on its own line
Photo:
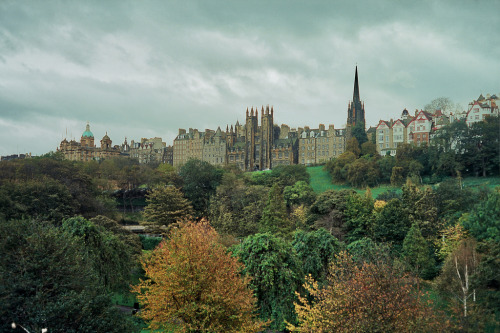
146 69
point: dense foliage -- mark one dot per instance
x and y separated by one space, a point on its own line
443 237
194 282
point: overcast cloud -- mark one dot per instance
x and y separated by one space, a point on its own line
147 68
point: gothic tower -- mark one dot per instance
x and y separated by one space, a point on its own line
251 152
266 138
355 109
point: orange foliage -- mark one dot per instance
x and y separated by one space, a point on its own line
194 283
367 297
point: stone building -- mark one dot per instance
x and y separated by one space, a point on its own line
85 150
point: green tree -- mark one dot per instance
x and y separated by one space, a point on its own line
194 282
352 146
47 280
416 254
362 172
110 257
236 209
315 249
276 274
274 217
484 221
300 193
339 166
359 216
359 133
391 224
328 212
166 205
200 182
369 148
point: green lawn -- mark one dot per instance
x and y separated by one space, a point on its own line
321 181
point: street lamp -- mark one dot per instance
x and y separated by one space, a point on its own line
14 326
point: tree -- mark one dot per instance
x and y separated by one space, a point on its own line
192 280
200 182
276 274
484 221
236 209
274 217
444 104
328 211
359 216
166 205
47 280
364 297
362 172
352 146
391 224
369 148
111 258
300 193
416 254
315 249
359 133
338 167
456 281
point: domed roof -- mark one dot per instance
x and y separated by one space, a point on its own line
87 132
106 137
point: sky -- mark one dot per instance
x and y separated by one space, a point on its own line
142 69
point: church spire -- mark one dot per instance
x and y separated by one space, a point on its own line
355 95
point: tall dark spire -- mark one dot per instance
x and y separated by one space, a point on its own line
355 95
356 109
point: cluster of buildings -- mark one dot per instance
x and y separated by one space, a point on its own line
146 151
422 126
260 145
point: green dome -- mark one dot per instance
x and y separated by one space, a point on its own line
87 132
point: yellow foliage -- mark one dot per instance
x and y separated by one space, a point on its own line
193 282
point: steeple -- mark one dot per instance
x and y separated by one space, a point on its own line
355 95
356 108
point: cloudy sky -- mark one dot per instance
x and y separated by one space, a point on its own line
147 68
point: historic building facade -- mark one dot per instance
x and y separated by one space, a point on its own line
85 150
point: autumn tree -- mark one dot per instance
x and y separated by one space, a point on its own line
192 281
364 297
166 205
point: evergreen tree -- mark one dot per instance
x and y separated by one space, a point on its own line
416 253
166 205
274 218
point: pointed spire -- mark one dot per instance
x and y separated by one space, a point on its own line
355 96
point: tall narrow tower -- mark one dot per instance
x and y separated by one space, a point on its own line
266 137
356 109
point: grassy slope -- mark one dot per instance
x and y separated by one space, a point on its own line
321 181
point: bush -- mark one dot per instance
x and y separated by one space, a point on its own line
149 243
